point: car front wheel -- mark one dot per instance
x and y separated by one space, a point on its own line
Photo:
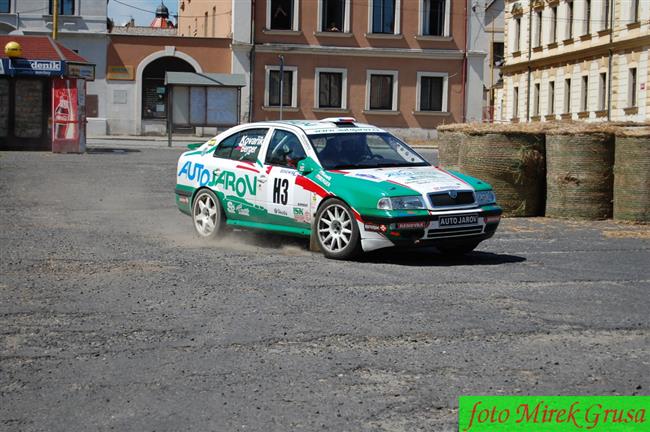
337 231
207 215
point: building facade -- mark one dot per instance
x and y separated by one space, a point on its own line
82 28
407 66
576 60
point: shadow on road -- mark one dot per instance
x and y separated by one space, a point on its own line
419 257
430 257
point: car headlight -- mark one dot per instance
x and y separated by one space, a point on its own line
401 203
485 197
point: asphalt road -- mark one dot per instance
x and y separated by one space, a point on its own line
114 317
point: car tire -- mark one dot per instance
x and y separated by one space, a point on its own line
336 230
457 249
208 216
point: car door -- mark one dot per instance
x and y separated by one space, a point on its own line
285 203
236 174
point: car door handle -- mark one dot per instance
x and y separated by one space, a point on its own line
261 179
216 171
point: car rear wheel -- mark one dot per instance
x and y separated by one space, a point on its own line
207 214
337 231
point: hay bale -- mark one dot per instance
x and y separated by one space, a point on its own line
579 180
448 147
632 176
513 163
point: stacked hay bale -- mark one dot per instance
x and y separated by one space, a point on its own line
449 143
510 158
579 163
632 175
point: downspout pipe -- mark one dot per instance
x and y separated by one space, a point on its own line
252 64
464 74
530 44
610 60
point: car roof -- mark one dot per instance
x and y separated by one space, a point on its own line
317 127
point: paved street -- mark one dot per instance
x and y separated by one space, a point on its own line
113 316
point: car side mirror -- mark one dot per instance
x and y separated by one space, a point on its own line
306 166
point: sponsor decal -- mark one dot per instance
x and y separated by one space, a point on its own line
424 176
196 172
291 172
553 413
238 209
411 225
249 145
367 177
375 227
324 178
280 212
300 215
242 185
280 191
458 220
299 204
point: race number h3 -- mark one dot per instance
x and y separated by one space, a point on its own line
280 191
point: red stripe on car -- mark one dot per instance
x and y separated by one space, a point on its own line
248 168
310 186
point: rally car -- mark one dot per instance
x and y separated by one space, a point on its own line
350 187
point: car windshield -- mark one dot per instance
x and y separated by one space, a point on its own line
363 150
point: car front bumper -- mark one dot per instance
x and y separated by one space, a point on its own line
378 233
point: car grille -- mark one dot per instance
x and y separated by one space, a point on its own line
453 232
444 199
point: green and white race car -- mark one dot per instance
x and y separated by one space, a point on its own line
351 187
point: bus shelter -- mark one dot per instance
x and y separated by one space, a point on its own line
203 100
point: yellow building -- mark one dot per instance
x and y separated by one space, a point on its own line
576 60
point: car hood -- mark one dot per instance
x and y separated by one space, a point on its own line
421 179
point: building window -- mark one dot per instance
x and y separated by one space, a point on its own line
602 91
536 100
334 15
567 95
66 7
631 88
385 16
634 11
382 90
281 15
569 20
497 53
516 34
537 33
5 6
432 91
551 97
331 88
515 102
604 23
553 25
289 86
587 17
434 17
584 93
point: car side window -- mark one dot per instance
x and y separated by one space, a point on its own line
242 146
285 150
224 149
